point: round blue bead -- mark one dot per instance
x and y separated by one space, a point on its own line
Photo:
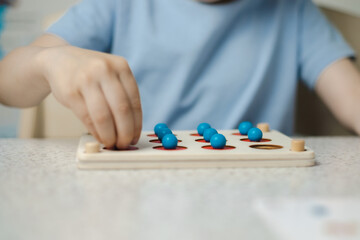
208 133
158 127
218 141
255 134
169 141
244 127
163 132
202 127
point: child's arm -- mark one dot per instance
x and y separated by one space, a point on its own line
339 88
99 88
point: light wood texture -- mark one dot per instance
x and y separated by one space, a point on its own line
195 156
264 127
27 123
92 147
48 120
297 145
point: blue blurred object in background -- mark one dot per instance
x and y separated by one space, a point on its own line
2 16
8 116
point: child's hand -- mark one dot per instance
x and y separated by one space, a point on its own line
100 89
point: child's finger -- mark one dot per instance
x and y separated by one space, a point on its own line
100 114
131 88
78 106
121 109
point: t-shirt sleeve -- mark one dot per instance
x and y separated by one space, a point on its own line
320 44
87 24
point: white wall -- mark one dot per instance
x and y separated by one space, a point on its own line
25 21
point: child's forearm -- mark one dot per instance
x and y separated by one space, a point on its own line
21 80
99 88
339 88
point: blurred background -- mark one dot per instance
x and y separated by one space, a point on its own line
28 19
23 23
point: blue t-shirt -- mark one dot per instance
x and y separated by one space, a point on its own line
216 63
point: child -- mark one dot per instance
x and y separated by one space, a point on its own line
191 61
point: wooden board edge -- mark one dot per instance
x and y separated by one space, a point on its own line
196 164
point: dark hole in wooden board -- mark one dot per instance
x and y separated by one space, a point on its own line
266 146
158 141
262 140
227 147
130 148
164 149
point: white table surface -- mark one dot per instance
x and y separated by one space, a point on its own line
44 196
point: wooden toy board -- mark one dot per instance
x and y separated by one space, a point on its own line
272 153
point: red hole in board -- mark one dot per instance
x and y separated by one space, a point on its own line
262 140
164 149
238 134
201 140
158 141
225 148
152 135
195 135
